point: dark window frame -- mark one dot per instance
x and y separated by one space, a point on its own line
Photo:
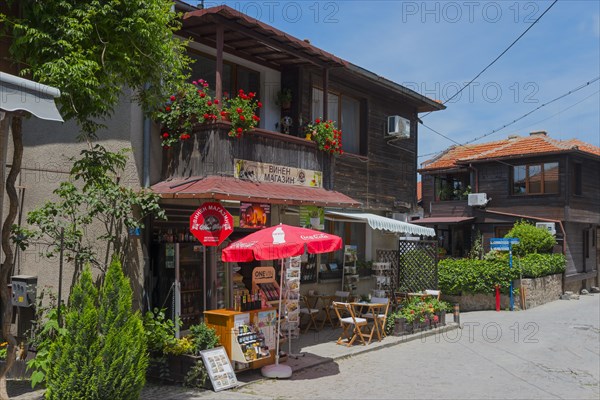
527 166
362 148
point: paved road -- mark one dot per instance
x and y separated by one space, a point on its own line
549 352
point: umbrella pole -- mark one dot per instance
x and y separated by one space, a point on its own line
278 370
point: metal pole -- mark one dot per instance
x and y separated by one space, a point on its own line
204 279
512 299
60 274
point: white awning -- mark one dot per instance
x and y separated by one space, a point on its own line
387 224
18 94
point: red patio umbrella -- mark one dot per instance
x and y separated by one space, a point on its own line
279 242
276 243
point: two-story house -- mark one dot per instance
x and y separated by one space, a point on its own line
376 174
554 183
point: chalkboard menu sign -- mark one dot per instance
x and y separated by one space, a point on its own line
219 369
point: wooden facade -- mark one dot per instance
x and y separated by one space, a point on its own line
381 174
576 210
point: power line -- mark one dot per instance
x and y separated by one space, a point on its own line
497 58
513 121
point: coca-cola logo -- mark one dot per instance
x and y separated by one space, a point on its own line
314 237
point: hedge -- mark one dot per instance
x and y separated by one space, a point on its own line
458 276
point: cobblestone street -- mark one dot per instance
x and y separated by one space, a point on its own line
552 351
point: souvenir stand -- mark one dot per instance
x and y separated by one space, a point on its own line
278 243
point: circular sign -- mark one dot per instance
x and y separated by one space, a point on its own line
211 224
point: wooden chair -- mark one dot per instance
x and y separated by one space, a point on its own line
327 302
352 326
379 319
311 312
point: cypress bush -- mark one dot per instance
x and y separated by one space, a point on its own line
102 354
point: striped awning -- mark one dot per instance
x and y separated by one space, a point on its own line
387 224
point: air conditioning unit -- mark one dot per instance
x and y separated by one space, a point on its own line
549 226
477 199
400 216
398 127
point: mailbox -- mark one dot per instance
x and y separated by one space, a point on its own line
24 289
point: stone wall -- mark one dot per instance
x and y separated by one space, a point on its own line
538 291
542 290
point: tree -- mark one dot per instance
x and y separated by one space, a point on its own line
93 195
532 239
102 352
90 50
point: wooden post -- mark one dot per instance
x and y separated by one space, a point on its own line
219 66
325 93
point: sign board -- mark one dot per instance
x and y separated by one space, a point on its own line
274 173
211 224
503 244
263 275
312 217
219 369
255 215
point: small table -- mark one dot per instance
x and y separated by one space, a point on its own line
421 295
374 309
326 301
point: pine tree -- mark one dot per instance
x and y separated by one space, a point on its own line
103 354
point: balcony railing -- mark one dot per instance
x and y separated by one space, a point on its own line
210 151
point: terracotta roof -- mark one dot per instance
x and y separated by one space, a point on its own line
518 146
229 188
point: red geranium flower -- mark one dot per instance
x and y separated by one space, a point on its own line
167 108
172 98
239 110
165 135
239 130
259 104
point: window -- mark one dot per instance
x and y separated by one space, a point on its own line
577 180
352 233
452 187
345 111
235 76
539 178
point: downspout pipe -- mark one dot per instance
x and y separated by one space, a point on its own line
146 149
476 178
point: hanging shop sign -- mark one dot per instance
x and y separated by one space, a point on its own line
312 217
255 215
274 173
211 224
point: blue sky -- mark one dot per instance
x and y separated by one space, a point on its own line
435 47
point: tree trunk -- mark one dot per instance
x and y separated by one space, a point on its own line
8 265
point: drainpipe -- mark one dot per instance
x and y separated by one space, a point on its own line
476 178
146 149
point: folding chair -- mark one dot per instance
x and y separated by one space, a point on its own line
352 326
311 312
379 319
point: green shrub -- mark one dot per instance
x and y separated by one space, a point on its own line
461 276
533 240
203 338
102 354
537 265
160 331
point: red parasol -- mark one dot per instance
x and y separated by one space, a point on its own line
280 241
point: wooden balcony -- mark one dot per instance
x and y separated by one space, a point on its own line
211 152
450 208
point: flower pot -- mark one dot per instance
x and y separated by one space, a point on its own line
400 326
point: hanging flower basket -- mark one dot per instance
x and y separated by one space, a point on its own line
327 137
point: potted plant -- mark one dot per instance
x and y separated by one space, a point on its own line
191 105
284 98
241 112
327 137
